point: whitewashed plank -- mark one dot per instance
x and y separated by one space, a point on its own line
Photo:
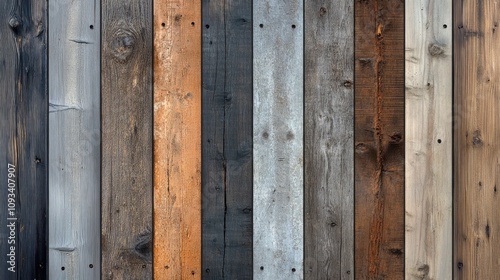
278 139
428 253
74 139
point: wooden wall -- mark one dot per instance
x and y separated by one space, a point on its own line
182 139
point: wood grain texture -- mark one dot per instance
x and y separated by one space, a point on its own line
74 142
429 87
127 139
476 149
379 142
177 139
329 136
278 139
227 139
23 136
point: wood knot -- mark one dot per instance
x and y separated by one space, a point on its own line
14 23
122 45
290 135
423 271
396 138
144 244
361 148
396 251
436 50
322 11
347 84
460 265
476 139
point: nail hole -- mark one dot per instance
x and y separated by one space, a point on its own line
207 26
293 26
293 269
143 266
192 23
261 268
439 141
163 24
445 26
192 272
210 42
63 268
91 26
91 265
207 270
261 25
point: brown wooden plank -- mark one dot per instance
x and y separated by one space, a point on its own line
127 139
23 140
476 149
328 131
379 143
177 139
227 139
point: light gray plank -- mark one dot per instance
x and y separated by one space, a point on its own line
429 88
74 139
329 154
278 139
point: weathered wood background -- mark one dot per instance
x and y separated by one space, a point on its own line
264 139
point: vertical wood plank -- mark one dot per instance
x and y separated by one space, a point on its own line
227 139
23 138
428 178
74 142
476 149
278 139
177 139
127 144
379 142
329 136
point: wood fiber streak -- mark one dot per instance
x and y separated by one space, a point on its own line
127 139
329 136
74 142
429 86
23 135
227 139
278 229
177 139
379 139
476 148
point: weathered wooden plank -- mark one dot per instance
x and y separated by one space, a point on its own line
476 149
278 139
127 139
227 140
74 142
428 249
329 153
23 139
379 142
177 138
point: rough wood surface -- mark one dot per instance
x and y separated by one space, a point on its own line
429 87
127 139
379 142
23 137
329 155
74 142
227 139
177 139
477 130
278 139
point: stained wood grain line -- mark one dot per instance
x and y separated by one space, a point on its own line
278 139
429 86
177 139
379 139
23 139
476 147
127 139
329 136
74 142
227 139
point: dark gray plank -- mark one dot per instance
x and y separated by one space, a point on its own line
127 139
328 131
23 138
227 139
74 142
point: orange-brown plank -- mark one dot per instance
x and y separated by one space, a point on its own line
177 139
379 143
477 148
